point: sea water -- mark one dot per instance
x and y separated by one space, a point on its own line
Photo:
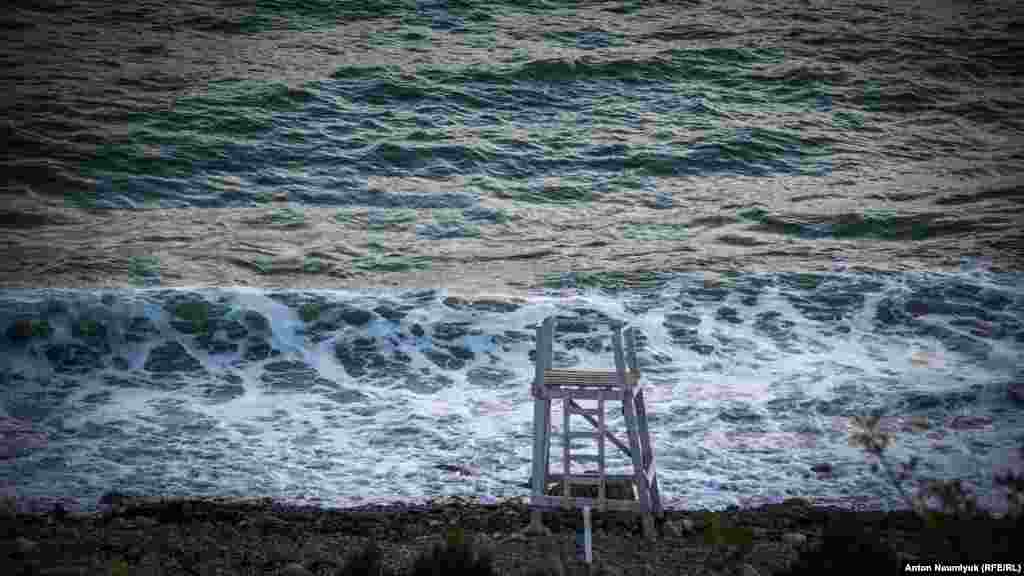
347 397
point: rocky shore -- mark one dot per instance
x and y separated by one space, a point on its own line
218 536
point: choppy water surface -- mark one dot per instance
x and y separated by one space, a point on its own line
341 397
456 145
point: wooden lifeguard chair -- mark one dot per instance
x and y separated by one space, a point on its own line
641 487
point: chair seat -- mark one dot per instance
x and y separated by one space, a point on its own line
559 378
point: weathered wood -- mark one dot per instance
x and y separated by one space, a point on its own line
566 402
561 377
622 385
541 415
602 489
588 393
592 479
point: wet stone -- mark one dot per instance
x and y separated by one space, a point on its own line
422 384
682 335
221 392
889 313
957 342
24 329
727 314
587 315
216 345
443 360
571 325
450 330
702 349
773 325
814 311
461 352
255 321
233 329
489 376
993 300
355 316
1015 392
389 312
921 307
353 355
347 396
681 320
140 329
514 336
559 359
19 330
481 305
93 333
171 357
73 358
707 294
593 344
257 349
288 375
98 398
738 413
361 355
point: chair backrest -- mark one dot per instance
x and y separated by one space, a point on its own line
624 360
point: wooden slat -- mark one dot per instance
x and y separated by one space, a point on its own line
609 393
591 479
650 468
592 435
579 502
604 378
565 454
577 409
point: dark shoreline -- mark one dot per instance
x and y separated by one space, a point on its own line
198 535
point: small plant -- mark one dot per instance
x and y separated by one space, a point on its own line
457 556
119 567
958 531
720 534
